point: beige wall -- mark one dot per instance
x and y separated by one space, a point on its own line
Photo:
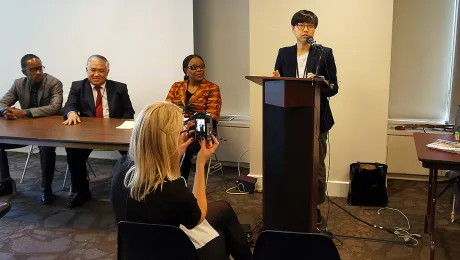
221 36
360 34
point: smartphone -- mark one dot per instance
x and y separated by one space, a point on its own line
203 124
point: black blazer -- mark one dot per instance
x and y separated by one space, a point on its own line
81 100
286 64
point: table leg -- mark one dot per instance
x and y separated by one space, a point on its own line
433 212
428 202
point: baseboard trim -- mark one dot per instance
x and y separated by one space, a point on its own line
338 188
335 188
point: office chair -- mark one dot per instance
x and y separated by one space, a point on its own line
139 241
292 245
33 150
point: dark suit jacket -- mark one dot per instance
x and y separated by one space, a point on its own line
286 64
81 100
49 96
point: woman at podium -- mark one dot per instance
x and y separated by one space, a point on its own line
307 59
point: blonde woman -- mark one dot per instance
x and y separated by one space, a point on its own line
147 186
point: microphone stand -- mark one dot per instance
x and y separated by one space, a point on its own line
320 49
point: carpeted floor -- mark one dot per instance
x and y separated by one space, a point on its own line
33 231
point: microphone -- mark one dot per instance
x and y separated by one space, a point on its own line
313 43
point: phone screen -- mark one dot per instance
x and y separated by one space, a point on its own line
200 125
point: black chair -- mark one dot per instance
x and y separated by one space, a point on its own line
293 245
139 241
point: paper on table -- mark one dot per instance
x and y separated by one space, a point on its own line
126 125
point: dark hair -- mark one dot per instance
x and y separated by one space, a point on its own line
99 57
304 16
186 62
27 57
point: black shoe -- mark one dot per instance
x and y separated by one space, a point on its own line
79 199
47 196
4 208
7 187
319 218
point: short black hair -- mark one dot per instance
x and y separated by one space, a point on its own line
99 57
186 62
304 16
27 57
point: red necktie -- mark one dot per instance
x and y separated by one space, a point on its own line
99 111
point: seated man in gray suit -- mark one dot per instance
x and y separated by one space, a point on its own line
94 96
39 94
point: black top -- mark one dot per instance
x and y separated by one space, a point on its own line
34 95
173 204
286 64
188 95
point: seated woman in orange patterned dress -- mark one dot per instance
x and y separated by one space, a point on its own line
195 94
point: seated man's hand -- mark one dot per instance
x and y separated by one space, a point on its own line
276 74
5 113
14 113
72 118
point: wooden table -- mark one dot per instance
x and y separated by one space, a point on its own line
434 160
91 133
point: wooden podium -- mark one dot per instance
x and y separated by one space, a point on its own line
291 108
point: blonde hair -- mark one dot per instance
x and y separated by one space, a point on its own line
153 148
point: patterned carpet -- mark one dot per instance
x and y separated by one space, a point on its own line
32 231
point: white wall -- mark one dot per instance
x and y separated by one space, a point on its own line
222 38
360 34
145 41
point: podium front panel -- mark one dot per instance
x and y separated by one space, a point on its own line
290 156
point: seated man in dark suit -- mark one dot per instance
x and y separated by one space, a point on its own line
39 95
94 96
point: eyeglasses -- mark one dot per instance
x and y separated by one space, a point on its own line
94 71
34 70
301 26
195 67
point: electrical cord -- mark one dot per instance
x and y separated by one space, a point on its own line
328 151
409 238
239 186
327 179
332 236
400 232
360 220
403 232
239 160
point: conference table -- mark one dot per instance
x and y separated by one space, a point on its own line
435 161
91 133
